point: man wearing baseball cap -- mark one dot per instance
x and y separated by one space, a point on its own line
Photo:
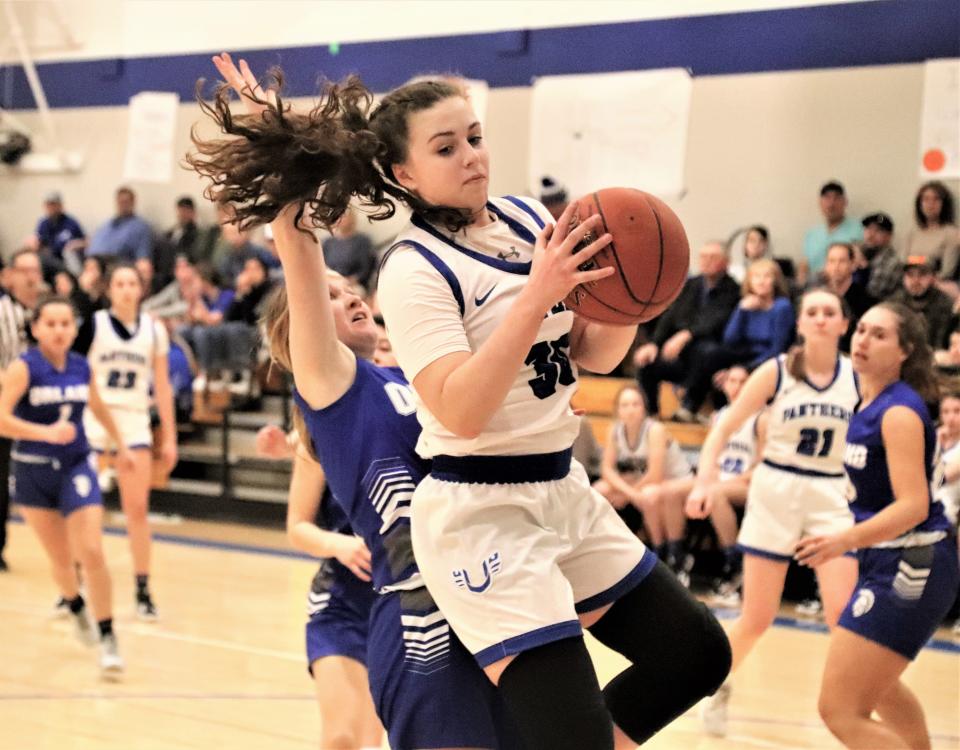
919 292
59 235
884 270
836 227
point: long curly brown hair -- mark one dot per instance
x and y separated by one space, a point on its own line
342 148
918 370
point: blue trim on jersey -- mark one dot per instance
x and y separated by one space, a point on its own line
803 472
541 467
525 208
763 553
521 269
515 226
629 582
442 268
836 374
520 643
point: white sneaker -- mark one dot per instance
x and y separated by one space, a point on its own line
146 609
84 627
111 663
200 383
241 385
107 479
809 608
61 610
726 597
713 712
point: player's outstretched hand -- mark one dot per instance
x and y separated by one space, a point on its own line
355 556
61 433
699 503
245 83
272 442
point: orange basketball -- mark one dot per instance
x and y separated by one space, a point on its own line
649 251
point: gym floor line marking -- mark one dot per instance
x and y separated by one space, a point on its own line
936 644
155 632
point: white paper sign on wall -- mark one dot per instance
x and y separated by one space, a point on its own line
150 139
611 130
940 120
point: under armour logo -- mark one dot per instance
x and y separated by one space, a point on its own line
490 567
507 254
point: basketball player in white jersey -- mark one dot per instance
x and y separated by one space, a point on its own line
643 466
946 479
513 544
128 357
799 488
735 468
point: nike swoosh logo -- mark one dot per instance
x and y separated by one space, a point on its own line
480 300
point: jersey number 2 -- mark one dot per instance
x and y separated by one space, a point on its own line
810 441
121 379
552 365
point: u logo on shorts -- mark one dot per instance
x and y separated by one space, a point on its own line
863 603
490 567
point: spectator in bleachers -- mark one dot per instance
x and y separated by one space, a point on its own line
232 251
152 281
225 351
173 301
761 327
186 237
349 252
691 327
836 227
920 293
553 196
126 236
93 282
59 235
936 236
883 273
838 278
639 467
209 307
756 245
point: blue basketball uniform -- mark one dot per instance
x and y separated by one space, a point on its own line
426 688
338 603
906 585
45 475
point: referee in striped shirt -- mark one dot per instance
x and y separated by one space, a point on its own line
22 282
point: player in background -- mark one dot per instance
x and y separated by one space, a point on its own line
42 401
908 574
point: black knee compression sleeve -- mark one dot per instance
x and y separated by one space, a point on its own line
555 700
677 649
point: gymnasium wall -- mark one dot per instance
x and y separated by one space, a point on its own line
783 98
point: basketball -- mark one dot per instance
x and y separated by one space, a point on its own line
649 251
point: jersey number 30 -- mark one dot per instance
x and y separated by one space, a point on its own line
121 379
811 440
550 362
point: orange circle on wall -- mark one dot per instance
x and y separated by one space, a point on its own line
934 160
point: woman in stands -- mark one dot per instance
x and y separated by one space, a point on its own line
908 557
42 403
128 357
798 489
645 467
494 381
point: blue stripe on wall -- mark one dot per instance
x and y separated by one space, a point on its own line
855 34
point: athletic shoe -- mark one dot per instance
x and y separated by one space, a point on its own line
809 608
240 384
111 663
84 627
146 609
726 595
200 383
107 479
3 565
713 711
61 610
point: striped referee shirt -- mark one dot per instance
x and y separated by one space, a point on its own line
14 319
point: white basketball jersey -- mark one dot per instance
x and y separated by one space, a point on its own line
442 293
740 452
123 367
947 493
807 425
635 459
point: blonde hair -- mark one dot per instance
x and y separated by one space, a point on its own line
765 264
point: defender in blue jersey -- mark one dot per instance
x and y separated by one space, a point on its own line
908 557
42 402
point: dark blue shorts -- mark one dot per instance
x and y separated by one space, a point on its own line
52 485
903 594
428 690
339 607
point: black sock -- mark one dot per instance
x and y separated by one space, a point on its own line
143 589
674 551
732 562
76 604
106 627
